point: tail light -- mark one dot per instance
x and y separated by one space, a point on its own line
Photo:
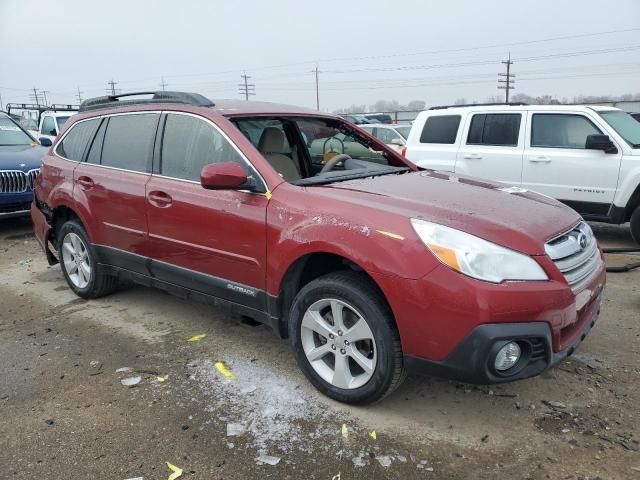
404 152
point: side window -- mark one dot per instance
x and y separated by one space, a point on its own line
440 129
500 129
48 126
188 144
74 143
128 141
385 135
561 130
95 151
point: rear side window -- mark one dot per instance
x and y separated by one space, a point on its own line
561 130
128 141
95 151
440 129
74 143
500 129
188 144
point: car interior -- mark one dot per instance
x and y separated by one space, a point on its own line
302 149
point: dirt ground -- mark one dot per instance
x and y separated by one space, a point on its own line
66 415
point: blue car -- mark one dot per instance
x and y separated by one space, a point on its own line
20 158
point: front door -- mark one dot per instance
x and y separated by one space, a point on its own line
211 241
492 146
557 164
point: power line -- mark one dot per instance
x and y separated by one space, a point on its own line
508 82
246 88
163 84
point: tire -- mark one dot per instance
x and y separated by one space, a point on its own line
79 265
359 301
635 224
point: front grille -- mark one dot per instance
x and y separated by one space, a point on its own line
576 254
17 181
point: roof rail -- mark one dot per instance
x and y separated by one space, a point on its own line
26 106
510 104
111 101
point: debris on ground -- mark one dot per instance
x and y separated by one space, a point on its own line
268 459
26 261
123 369
344 431
553 404
424 465
228 374
177 471
235 429
196 338
135 478
384 460
162 378
131 381
248 389
373 435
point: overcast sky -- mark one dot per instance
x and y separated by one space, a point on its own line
367 50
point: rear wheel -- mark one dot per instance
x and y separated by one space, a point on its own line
635 224
79 265
345 339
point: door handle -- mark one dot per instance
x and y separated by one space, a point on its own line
472 156
85 182
540 159
159 199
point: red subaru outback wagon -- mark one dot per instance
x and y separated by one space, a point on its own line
371 266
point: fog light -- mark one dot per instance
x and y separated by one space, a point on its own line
508 356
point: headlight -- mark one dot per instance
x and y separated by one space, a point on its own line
476 257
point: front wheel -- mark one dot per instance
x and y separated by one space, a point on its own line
635 224
79 264
345 339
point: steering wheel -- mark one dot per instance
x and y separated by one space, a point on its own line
334 161
324 145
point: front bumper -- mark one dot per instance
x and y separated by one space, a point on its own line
472 361
15 204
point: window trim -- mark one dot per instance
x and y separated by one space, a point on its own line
576 114
86 148
455 138
160 138
486 114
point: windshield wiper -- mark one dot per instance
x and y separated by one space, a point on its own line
354 175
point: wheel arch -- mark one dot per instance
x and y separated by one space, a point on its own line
307 268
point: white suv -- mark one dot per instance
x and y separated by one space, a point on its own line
585 156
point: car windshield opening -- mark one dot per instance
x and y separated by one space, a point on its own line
12 134
309 150
404 131
625 125
61 121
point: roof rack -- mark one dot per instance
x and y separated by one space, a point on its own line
60 107
511 104
111 101
56 107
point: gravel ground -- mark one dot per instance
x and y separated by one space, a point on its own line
66 414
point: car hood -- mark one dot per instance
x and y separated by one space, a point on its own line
509 216
21 157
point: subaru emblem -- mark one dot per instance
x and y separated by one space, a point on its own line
22 165
583 241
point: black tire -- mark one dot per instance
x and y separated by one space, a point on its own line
357 290
635 224
99 283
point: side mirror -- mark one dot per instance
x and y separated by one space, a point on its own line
223 176
600 142
45 142
397 141
53 133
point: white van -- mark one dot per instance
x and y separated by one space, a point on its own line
585 156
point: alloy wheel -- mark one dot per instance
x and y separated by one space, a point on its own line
75 259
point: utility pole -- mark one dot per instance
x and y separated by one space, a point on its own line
508 81
36 97
163 84
112 87
79 95
44 94
316 71
246 88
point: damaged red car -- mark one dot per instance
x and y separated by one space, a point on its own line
370 266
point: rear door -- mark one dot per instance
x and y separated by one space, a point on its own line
492 146
435 143
211 241
110 186
557 164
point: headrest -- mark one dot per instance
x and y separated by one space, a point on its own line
271 140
